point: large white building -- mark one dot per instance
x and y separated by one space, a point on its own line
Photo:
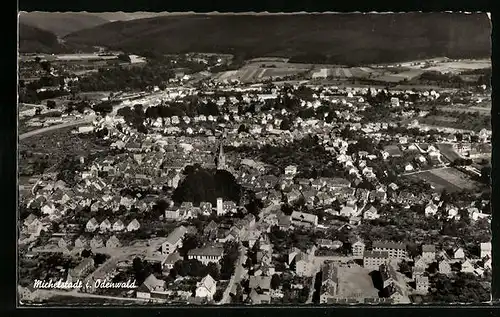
393 249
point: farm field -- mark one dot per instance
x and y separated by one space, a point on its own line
398 77
460 66
437 182
456 178
256 73
473 109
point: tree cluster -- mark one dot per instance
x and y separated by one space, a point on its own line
201 185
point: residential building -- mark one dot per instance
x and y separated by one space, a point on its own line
419 266
388 274
485 250
118 226
290 170
422 284
91 225
96 243
261 284
113 242
105 225
81 269
174 240
304 265
358 248
467 267
133 225
151 284
458 253
206 254
304 219
428 253
394 250
444 267
206 288
171 259
372 260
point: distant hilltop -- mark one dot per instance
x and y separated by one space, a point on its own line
340 38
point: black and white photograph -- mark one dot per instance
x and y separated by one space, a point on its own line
254 159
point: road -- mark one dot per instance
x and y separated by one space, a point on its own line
235 278
56 127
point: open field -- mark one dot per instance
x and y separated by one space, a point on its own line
436 182
256 73
355 280
448 152
450 179
398 77
460 66
473 109
455 177
443 118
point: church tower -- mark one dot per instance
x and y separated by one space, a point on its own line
220 159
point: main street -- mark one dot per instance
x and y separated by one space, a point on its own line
235 278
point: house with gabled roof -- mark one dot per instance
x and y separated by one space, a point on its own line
358 248
81 242
174 240
113 242
458 253
91 225
371 213
133 225
206 254
150 284
444 267
118 226
96 243
206 288
105 225
304 219
431 209
467 267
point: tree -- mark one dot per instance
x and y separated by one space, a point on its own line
218 295
242 128
51 104
285 124
275 281
99 258
124 58
86 253
213 270
46 66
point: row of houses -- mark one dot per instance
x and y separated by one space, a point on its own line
92 225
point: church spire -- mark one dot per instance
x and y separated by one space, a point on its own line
220 159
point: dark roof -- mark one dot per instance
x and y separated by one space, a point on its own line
375 254
428 248
389 245
207 251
